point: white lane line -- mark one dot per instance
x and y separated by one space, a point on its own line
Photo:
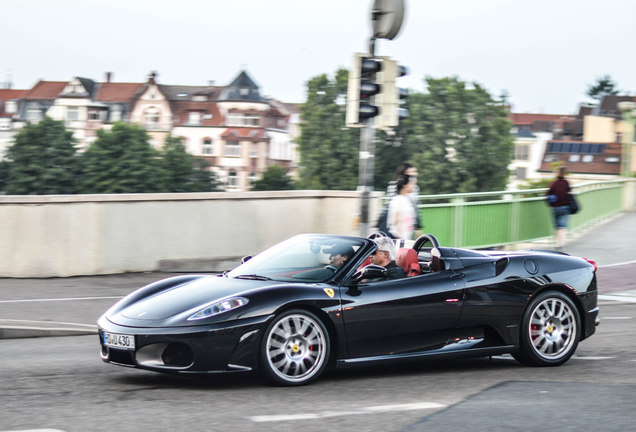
617 298
11 321
359 411
617 264
615 318
60 299
591 358
36 430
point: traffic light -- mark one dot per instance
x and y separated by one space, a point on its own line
389 99
361 90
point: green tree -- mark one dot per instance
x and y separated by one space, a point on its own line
460 137
184 172
274 178
328 150
42 161
604 86
122 161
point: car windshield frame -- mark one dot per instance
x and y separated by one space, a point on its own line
303 258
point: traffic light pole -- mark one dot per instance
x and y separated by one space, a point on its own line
365 176
366 165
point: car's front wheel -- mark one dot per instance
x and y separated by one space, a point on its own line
550 332
295 348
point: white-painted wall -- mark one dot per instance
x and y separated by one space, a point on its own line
59 236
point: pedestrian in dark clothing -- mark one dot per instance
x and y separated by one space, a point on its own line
558 200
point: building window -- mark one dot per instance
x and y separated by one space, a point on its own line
612 159
232 179
253 178
234 120
254 151
152 118
522 152
521 173
194 118
551 158
5 123
588 158
94 115
574 158
252 120
34 114
72 115
207 146
11 107
232 149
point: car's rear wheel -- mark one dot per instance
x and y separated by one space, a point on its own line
295 348
550 332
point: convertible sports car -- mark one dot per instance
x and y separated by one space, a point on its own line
290 314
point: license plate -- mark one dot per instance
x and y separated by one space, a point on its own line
119 341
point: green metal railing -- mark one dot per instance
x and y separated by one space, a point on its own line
489 219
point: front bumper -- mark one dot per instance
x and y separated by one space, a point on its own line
224 347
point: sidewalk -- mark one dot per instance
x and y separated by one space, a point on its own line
71 306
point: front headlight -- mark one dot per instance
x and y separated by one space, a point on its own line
218 307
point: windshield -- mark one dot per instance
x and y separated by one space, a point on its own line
304 258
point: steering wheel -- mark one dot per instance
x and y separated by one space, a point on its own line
331 267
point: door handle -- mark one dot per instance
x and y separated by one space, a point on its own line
457 276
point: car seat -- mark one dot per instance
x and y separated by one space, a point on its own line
406 258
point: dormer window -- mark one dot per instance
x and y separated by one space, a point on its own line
12 107
244 91
194 118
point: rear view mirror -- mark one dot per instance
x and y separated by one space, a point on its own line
246 259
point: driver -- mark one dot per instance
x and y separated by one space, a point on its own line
339 254
384 256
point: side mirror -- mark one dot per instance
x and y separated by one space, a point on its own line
371 271
246 259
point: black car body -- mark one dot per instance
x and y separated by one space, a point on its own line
288 314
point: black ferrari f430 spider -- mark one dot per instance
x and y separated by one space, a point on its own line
289 314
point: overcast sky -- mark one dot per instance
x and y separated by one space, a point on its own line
543 53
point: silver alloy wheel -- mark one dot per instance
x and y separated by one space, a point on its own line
296 348
552 328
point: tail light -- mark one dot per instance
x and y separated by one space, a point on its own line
591 262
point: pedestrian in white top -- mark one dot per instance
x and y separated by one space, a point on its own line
401 217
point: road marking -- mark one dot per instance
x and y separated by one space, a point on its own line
3 320
36 430
359 411
616 318
617 264
591 358
617 298
60 299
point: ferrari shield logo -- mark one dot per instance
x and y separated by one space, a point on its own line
329 292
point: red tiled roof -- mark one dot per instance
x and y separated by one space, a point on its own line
245 133
7 95
117 92
46 90
528 119
182 110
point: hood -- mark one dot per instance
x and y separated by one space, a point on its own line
173 306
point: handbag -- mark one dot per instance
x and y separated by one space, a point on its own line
573 204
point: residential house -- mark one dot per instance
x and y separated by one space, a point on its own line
240 132
9 99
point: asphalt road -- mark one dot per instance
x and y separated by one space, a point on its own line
60 382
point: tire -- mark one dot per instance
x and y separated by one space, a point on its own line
295 348
550 332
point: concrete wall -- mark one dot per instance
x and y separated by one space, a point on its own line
51 236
